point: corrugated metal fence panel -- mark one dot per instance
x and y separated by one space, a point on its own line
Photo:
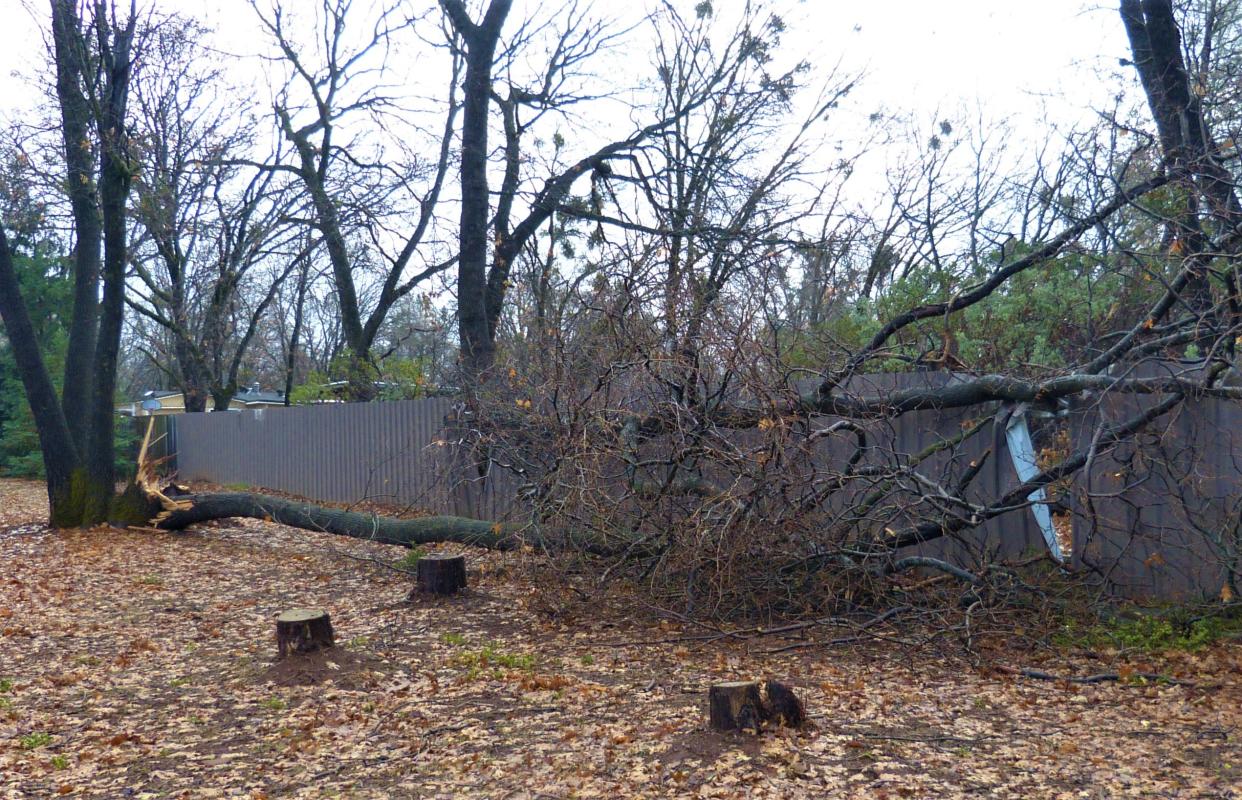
1160 517
334 452
897 442
406 452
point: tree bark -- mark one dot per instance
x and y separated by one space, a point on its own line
750 705
1185 140
60 458
69 46
303 630
422 530
114 185
477 349
441 574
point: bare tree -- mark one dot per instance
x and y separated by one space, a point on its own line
215 246
353 184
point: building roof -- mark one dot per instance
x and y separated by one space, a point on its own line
253 396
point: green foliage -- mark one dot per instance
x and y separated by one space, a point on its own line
1176 630
60 762
6 685
47 290
455 639
489 659
411 559
33 741
315 390
274 704
1041 320
403 379
397 378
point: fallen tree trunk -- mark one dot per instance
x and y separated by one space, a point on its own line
187 510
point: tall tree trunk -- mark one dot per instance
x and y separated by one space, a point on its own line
477 348
193 375
60 456
114 184
1186 142
291 360
75 116
222 397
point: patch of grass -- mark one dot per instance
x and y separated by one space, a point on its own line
177 683
455 639
60 762
275 704
6 685
358 641
33 741
490 657
237 487
1149 633
588 660
411 559
152 580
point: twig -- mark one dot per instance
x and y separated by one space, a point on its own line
1103 677
926 738
876 620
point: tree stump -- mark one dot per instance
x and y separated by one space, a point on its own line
303 630
749 705
782 706
441 574
735 706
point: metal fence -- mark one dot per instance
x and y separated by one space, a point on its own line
1158 518
394 453
1160 515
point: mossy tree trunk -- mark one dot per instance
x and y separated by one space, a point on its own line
76 429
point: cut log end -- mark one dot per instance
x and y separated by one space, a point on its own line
751 705
303 630
441 574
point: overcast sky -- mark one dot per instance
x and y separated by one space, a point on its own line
917 54
1036 65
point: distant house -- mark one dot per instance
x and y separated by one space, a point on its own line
161 403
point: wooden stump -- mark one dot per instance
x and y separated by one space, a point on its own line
735 706
303 630
749 705
782 706
441 574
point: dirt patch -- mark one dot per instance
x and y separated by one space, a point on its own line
335 667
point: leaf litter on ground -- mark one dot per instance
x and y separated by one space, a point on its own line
140 664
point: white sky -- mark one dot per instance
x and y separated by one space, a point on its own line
918 55
1036 65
